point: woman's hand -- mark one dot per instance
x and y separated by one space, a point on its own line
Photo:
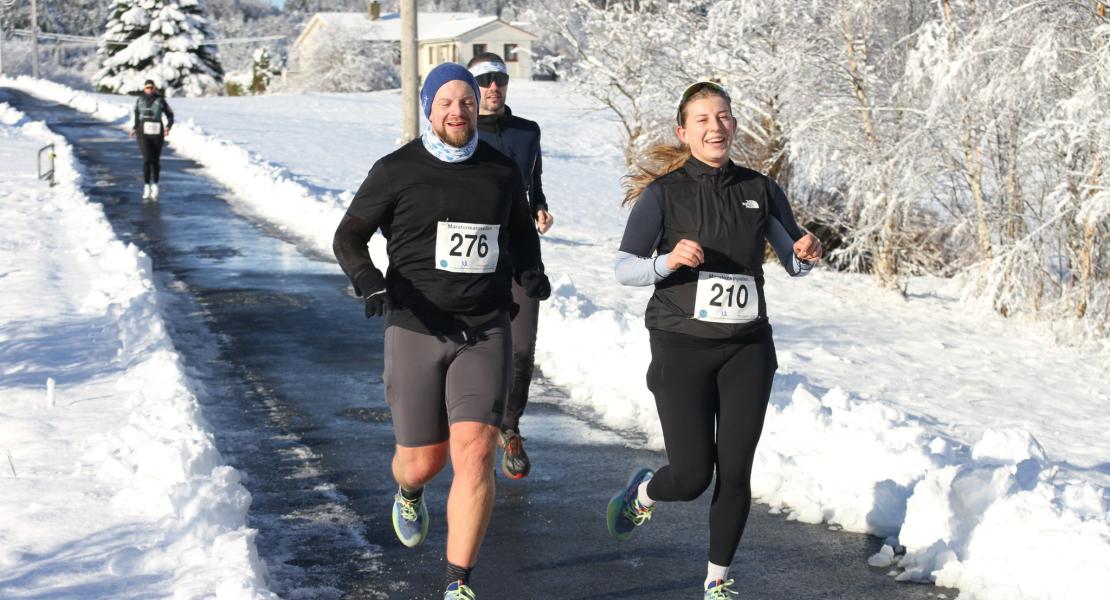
686 253
809 248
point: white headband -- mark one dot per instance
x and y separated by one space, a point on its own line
489 66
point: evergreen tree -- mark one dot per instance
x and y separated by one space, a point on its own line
167 41
261 71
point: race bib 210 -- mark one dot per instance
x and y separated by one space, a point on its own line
726 298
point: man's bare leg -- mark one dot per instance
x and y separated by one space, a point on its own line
473 448
413 467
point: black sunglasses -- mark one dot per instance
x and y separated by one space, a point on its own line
501 79
697 87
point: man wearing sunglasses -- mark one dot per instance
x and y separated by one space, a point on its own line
519 139
148 128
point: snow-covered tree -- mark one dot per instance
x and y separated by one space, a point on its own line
634 57
342 62
262 70
167 41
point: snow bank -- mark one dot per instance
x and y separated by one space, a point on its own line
119 485
986 510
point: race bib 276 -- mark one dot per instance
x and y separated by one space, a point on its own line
467 247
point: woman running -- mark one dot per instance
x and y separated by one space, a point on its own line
706 221
148 127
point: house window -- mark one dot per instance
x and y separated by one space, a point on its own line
478 49
431 59
510 53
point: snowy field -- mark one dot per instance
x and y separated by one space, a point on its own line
974 443
112 486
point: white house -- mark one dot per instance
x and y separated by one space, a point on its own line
442 37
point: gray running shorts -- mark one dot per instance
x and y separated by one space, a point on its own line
433 382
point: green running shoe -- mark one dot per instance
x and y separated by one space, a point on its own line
625 512
459 591
720 590
514 460
410 519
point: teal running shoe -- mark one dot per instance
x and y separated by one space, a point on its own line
410 519
459 591
625 512
720 590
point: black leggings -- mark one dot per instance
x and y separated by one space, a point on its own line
151 146
524 355
697 382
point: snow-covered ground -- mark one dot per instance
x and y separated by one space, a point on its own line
112 486
975 443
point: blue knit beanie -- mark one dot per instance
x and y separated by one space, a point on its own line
440 75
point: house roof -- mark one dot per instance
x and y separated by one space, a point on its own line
430 26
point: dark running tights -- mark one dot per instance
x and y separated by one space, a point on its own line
151 146
524 355
697 382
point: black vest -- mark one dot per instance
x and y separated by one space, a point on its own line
725 210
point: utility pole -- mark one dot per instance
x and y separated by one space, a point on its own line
409 71
34 39
4 6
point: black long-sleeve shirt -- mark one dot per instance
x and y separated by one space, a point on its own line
408 194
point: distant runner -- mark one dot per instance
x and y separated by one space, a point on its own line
706 221
151 131
458 232
519 139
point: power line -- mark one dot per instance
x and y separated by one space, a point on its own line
88 40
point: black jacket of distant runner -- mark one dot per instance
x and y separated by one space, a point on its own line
519 139
412 196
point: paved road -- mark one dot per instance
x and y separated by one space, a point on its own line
291 384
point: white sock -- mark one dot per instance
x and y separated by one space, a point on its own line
642 496
714 573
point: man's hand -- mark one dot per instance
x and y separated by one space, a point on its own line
371 285
809 248
535 284
686 253
544 221
378 303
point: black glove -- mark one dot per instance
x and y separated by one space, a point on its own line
371 285
535 284
378 303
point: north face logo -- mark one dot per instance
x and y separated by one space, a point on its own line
751 204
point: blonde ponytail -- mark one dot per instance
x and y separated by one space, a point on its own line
654 163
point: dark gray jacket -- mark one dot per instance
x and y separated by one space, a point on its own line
519 139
